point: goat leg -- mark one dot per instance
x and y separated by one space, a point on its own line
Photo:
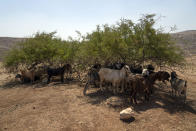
172 91
32 79
122 88
147 96
135 98
100 84
48 79
115 88
62 78
132 96
85 88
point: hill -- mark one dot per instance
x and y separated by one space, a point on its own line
6 43
186 40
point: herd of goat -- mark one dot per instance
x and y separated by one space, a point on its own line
117 77
134 80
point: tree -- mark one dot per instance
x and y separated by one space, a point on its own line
131 43
43 48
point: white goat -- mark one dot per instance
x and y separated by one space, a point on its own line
178 86
116 77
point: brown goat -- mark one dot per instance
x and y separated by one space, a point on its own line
30 75
27 74
160 76
142 85
137 85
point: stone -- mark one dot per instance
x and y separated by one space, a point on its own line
115 101
44 80
126 114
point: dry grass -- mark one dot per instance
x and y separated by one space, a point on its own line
62 107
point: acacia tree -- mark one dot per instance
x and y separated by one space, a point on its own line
43 48
130 42
155 45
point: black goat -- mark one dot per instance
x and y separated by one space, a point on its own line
96 66
150 67
116 66
136 69
92 79
58 71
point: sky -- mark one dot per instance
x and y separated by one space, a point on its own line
23 18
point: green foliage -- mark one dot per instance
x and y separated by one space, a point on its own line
42 48
130 43
125 41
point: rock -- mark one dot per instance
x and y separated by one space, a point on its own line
126 114
114 101
44 80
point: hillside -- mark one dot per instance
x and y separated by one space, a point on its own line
185 39
6 43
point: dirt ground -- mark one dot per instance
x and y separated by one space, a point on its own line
63 107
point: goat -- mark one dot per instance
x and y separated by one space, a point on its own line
96 66
25 79
27 75
116 66
149 70
178 86
136 69
58 71
145 72
116 77
160 76
163 76
30 76
92 78
137 85
93 75
144 85
173 75
150 67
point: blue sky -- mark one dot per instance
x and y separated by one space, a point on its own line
22 18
